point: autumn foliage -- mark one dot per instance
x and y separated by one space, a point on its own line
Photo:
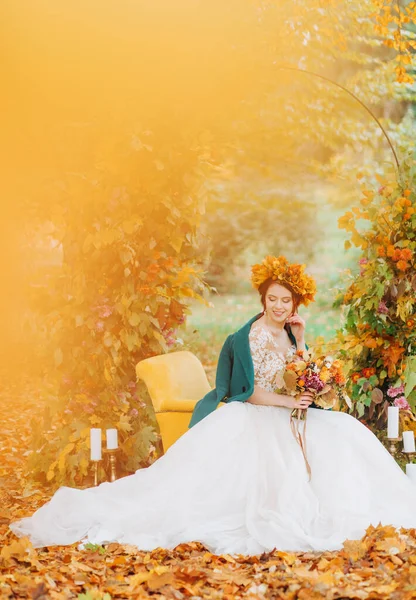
380 565
379 305
129 267
120 152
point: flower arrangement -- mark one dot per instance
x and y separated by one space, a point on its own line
378 337
323 376
279 269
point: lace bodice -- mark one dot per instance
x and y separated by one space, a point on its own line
269 363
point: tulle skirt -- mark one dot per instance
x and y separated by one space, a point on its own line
237 482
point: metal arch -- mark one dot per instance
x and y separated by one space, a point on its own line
355 98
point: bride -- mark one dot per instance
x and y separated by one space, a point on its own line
237 481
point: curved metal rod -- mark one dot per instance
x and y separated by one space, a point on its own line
355 98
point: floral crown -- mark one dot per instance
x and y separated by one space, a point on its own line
279 269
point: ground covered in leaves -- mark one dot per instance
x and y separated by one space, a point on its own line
381 565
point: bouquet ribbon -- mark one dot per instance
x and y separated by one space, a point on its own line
300 415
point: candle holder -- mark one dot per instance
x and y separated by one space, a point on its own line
111 456
96 471
392 445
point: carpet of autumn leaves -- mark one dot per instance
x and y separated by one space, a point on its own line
381 565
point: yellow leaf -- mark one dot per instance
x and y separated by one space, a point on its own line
326 578
391 545
108 236
156 581
287 557
358 240
368 194
176 243
61 461
18 549
138 579
130 225
124 424
354 549
83 465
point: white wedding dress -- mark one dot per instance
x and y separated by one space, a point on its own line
237 482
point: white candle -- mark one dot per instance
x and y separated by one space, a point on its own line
393 422
95 439
411 472
112 439
409 441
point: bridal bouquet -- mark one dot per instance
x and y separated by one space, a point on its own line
322 376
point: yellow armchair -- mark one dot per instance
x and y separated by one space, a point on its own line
175 382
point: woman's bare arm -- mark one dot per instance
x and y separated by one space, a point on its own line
264 398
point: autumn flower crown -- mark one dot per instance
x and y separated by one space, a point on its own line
279 269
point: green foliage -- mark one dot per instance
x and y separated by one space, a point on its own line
379 336
94 596
128 270
123 214
94 548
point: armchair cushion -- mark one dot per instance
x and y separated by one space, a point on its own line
175 381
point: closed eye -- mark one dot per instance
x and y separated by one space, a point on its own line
287 299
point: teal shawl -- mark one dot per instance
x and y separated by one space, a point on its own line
234 379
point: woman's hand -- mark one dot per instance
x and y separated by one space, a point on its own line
303 400
297 325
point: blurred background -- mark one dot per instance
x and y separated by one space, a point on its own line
213 131
287 144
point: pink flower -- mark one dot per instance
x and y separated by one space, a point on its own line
104 311
134 412
169 335
313 382
394 392
382 308
362 262
401 402
99 326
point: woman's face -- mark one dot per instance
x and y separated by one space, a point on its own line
279 303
